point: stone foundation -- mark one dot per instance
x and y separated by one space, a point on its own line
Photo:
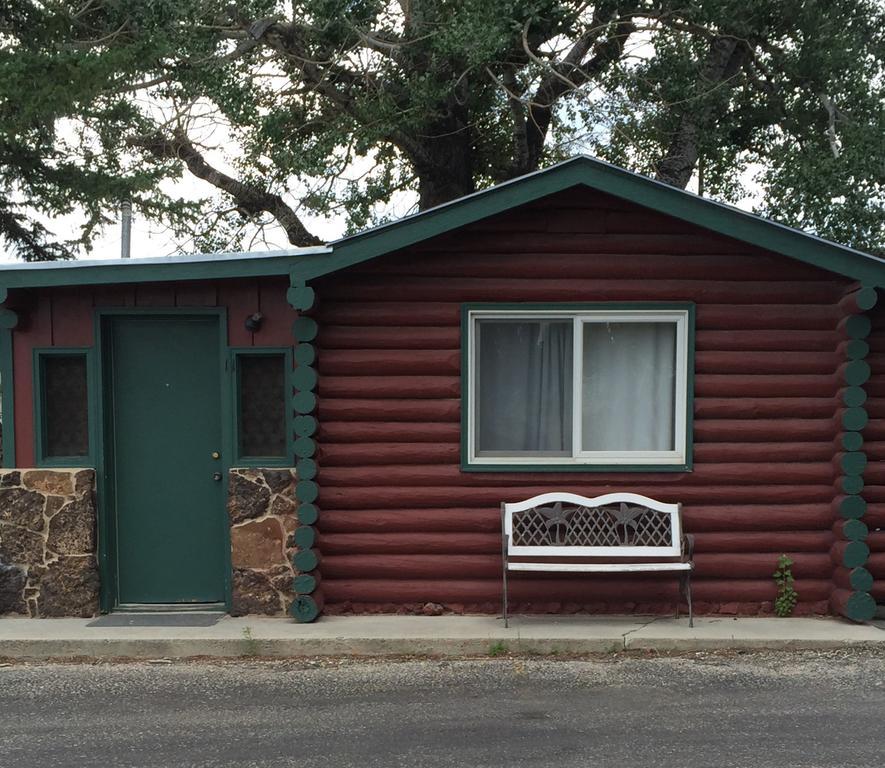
263 517
47 543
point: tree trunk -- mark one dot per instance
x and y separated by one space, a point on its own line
441 150
724 58
445 172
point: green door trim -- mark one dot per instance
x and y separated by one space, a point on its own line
104 470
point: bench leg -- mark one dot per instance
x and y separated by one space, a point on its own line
505 543
685 591
688 599
690 612
506 620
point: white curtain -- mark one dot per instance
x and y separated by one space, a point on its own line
628 386
524 389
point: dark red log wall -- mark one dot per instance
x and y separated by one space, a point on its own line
401 525
64 317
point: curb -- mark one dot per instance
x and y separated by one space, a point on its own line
281 648
293 648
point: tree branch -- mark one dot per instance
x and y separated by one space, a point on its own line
833 140
569 75
250 199
29 239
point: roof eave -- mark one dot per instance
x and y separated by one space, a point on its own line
149 270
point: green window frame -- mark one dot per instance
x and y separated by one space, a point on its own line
244 460
678 460
41 442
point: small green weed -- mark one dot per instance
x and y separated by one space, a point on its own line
250 644
786 595
497 649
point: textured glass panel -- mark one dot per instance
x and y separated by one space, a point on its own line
629 386
65 406
262 405
524 388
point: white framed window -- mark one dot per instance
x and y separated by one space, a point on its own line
564 388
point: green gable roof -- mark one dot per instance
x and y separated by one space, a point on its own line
305 264
604 177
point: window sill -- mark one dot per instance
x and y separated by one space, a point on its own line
73 462
277 462
572 467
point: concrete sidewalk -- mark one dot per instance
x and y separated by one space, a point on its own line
422 635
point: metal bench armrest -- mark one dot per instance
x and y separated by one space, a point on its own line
687 547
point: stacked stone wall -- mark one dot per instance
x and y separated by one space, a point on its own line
263 516
48 561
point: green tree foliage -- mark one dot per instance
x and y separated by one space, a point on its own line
64 119
332 107
66 112
794 90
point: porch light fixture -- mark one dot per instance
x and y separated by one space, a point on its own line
254 321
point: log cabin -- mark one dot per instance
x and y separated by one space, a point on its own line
335 428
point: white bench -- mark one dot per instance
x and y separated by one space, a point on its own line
617 532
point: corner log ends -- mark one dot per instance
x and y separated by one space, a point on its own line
852 582
308 602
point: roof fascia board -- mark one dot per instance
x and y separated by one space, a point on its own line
649 193
133 272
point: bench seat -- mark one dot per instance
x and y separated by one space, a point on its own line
599 567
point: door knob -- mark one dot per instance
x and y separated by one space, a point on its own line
216 455
216 476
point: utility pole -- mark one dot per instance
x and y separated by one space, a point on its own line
126 225
701 176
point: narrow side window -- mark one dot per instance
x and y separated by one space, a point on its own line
64 406
261 405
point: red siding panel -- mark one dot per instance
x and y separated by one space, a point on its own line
113 296
241 300
155 295
34 331
276 329
72 324
196 293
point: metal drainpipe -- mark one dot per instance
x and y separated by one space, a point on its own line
126 221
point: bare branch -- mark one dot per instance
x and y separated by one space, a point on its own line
251 200
570 74
830 107
377 41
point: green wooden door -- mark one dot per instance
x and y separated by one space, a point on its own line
166 424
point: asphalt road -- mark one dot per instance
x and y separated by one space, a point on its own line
823 709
